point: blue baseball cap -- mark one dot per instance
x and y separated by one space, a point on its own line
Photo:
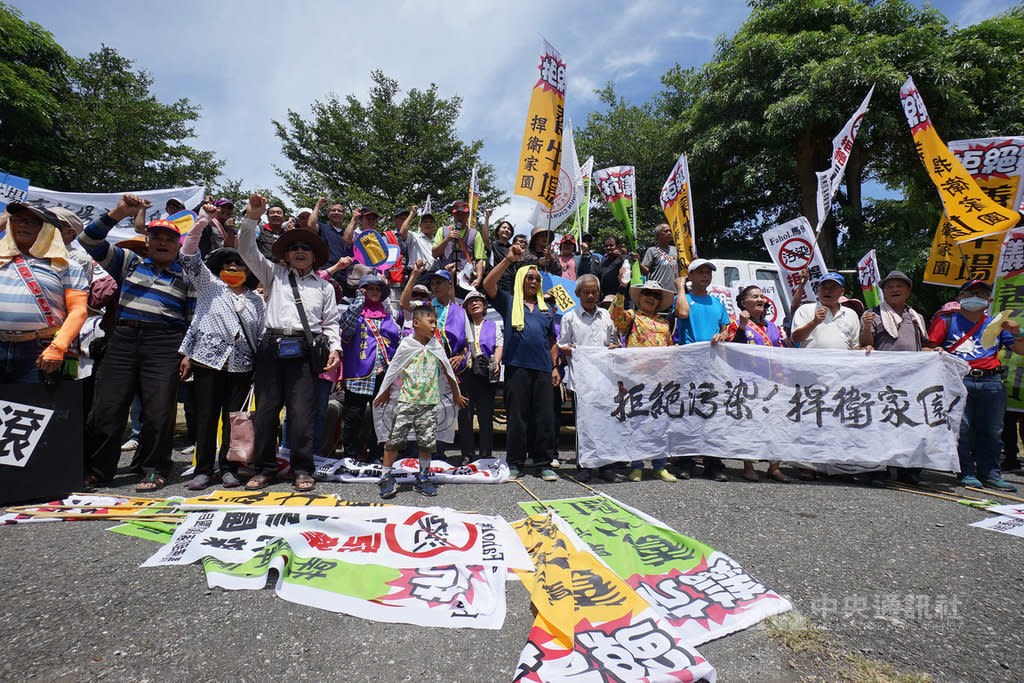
443 274
974 283
833 277
372 279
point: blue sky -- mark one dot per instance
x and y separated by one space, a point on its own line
247 62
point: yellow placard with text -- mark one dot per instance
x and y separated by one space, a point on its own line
678 207
541 156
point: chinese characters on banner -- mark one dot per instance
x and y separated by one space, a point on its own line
793 248
1009 295
12 189
842 145
541 157
570 187
581 221
972 214
869 277
677 204
997 165
741 401
617 184
590 624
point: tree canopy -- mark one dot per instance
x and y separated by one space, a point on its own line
89 125
391 151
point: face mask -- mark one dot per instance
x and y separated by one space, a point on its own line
233 278
973 303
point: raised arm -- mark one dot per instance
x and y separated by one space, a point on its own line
403 230
260 266
405 302
515 252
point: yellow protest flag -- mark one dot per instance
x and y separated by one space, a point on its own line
678 207
972 214
541 156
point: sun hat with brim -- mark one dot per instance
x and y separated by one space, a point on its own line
45 215
538 230
218 257
320 252
652 286
161 224
68 219
974 283
373 279
473 294
896 275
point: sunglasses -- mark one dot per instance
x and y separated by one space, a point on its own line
299 246
531 278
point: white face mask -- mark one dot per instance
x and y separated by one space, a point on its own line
973 303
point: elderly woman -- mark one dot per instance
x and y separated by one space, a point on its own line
486 344
754 328
285 373
370 336
220 346
529 356
642 326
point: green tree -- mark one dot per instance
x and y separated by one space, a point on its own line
391 151
34 84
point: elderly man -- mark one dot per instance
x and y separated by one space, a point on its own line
587 326
271 230
661 262
154 310
43 294
827 324
459 244
333 234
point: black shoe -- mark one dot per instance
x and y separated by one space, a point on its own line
613 476
716 474
583 475
685 469
388 486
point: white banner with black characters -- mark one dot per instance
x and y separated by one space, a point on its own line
395 536
758 403
91 205
351 471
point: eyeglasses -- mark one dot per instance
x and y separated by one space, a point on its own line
531 278
299 246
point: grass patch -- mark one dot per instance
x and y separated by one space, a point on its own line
820 651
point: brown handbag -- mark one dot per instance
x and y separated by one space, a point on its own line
243 433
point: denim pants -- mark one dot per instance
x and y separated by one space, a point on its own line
18 361
982 427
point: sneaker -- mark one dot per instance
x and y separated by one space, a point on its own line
555 463
229 479
686 469
548 474
1000 484
199 482
968 480
583 475
388 486
424 485
188 450
514 473
664 475
612 476
635 475
130 445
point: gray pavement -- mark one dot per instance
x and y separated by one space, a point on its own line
895 578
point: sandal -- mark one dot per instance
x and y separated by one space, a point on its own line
778 476
151 482
304 482
258 481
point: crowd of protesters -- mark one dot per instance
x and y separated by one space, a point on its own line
287 311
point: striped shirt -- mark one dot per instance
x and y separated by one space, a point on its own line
19 311
147 294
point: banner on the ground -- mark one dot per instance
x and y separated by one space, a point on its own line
759 403
393 535
842 146
1003 524
570 187
268 501
12 189
541 156
351 471
997 165
590 624
972 213
869 276
91 205
793 249
677 204
703 594
1008 295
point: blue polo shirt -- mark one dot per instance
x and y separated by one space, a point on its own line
530 347
707 315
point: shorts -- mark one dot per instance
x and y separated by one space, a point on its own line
419 417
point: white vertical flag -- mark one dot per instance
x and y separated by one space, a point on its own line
570 185
842 144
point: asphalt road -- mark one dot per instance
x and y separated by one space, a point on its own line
894 578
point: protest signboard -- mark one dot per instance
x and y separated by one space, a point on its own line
540 159
972 213
617 184
742 401
702 593
842 145
677 204
997 165
570 187
773 312
590 624
869 277
1008 295
793 248
12 189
